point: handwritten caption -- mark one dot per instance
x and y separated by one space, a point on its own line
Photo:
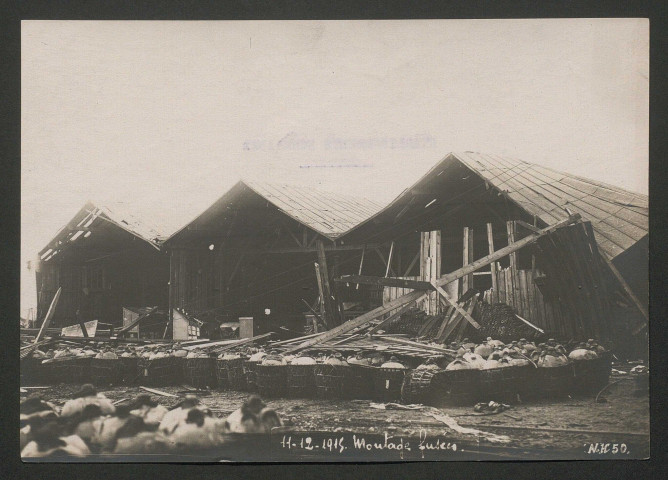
607 449
343 444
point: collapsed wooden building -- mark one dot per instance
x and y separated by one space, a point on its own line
589 279
103 260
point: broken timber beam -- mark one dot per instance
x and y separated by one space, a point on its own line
392 317
385 282
122 331
445 279
629 292
453 303
49 315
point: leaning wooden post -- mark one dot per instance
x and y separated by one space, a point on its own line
467 257
495 285
516 295
49 315
389 260
327 291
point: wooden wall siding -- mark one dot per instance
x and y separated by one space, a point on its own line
430 267
579 287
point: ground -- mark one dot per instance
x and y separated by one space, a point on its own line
568 428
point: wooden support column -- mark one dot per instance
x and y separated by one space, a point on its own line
516 294
170 320
495 285
330 310
389 260
467 258
430 266
357 287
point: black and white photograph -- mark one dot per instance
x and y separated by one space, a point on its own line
334 240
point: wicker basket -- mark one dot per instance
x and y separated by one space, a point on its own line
456 387
250 374
417 387
129 370
271 380
160 372
231 374
554 382
590 376
70 370
329 380
32 371
387 383
106 371
358 383
301 381
200 372
504 384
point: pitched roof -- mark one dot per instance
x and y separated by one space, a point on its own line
328 213
619 217
91 214
331 214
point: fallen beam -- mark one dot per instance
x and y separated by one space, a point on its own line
49 315
122 331
359 321
385 282
413 296
243 342
454 304
392 317
158 392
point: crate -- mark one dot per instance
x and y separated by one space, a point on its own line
456 387
200 372
387 384
271 380
330 380
106 371
358 382
417 387
301 381
160 372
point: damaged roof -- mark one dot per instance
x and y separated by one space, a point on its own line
327 213
619 217
90 215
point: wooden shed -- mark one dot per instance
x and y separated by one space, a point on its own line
253 253
104 259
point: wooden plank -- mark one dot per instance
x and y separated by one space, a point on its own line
453 303
78 331
323 316
361 320
49 315
357 287
330 311
467 254
158 392
122 331
411 265
531 228
386 282
389 259
389 319
421 346
244 341
445 279
627 289
530 324
463 325
514 267
490 242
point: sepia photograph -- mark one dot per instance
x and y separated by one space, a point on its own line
334 241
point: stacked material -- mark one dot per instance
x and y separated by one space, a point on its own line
89 424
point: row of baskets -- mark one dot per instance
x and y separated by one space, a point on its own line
431 387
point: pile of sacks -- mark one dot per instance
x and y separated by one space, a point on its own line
90 424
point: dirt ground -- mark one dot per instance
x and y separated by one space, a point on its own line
569 428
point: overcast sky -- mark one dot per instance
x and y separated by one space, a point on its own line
165 116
